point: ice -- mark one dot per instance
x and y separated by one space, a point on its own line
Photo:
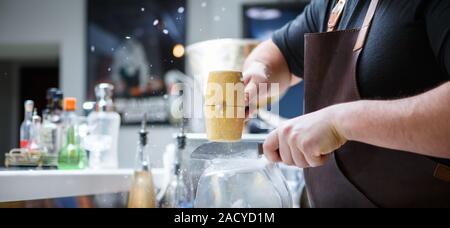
239 204
242 183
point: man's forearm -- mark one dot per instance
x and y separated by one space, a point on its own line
419 124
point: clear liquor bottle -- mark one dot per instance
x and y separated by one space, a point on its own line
51 134
104 124
35 142
26 127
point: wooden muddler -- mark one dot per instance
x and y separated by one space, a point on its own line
225 106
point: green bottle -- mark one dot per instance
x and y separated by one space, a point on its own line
72 156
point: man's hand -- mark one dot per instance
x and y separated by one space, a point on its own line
265 65
305 141
254 74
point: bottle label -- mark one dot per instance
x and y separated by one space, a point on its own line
49 140
24 144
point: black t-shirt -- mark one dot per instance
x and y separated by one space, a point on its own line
407 50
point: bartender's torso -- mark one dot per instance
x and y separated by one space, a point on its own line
407 50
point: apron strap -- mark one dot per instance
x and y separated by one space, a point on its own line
366 25
336 15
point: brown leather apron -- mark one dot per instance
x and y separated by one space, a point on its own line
361 175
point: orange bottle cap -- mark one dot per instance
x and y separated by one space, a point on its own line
70 104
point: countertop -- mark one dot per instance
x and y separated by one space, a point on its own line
36 185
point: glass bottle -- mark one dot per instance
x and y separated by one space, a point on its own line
49 107
35 142
26 127
179 193
57 118
72 156
142 194
104 124
51 134
57 112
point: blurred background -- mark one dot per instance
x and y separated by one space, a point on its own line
137 45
